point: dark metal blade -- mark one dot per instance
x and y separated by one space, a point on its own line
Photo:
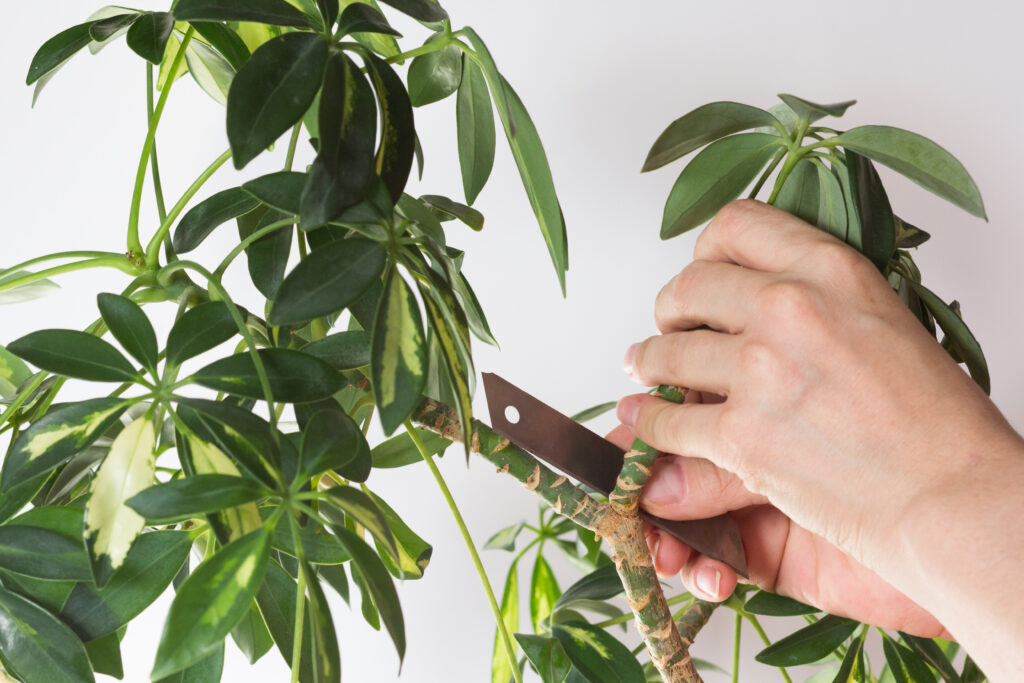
575 450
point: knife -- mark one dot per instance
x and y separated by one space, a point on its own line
580 453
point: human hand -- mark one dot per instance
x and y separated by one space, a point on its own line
841 416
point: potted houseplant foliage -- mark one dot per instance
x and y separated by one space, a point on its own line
229 460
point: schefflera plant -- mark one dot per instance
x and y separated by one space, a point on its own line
374 316
827 178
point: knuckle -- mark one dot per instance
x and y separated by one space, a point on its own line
791 301
839 259
769 371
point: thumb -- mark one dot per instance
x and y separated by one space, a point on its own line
693 488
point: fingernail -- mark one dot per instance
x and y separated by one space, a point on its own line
627 362
666 485
709 581
628 410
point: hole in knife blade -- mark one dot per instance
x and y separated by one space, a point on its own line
512 414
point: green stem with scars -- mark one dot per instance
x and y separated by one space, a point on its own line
623 618
506 639
153 248
134 245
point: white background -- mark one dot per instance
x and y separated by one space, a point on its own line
601 80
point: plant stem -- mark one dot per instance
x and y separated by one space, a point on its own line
116 261
292 142
153 248
464 530
623 618
134 245
56 256
300 601
432 46
161 210
764 639
241 246
737 631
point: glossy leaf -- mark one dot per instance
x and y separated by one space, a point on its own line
105 656
232 430
474 312
906 667
274 88
110 525
206 670
108 27
400 450
811 111
268 256
546 655
715 177
326 662
276 12
342 350
501 667
207 215
37 646
42 554
152 562
180 499
957 333
435 75
703 125
57 49
130 327
475 121
276 599
320 547
225 41
809 644
851 668
294 377
800 194
544 592
12 373
211 601
211 71
199 330
413 552
422 10
342 170
971 673
330 441
597 654
398 362
448 208
772 605
379 584
327 280
361 509
362 18
398 132
148 36
831 203
73 353
281 190
876 238
506 538
601 584
57 436
929 651
919 159
909 236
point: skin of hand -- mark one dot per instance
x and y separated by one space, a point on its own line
869 475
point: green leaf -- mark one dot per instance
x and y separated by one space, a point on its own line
772 605
851 669
294 377
379 585
233 430
400 450
211 601
361 18
73 353
152 562
594 411
809 644
342 170
811 111
876 238
206 670
274 88
398 132
281 190
703 125
957 333
598 655
276 599
268 256
319 546
919 159
905 666
330 441
199 330
506 538
110 525
714 178
435 75
544 592
361 509
971 673
413 552
107 27
398 362
501 667
831 203
57 436
28 292
56 50
326 658
446 208
276 12
327 280
329 11
38 647
148 36
105 656
800 194
225 41
929 651
421 10
130 327
909 236
207 215
42 554
12 373
601 584
342 350
181 499
547 656
474 312
475 121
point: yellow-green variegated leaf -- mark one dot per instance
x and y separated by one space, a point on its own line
212 72
173 43
110 525
398 360
57 436
13 372
208 459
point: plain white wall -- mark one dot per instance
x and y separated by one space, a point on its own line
601 80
